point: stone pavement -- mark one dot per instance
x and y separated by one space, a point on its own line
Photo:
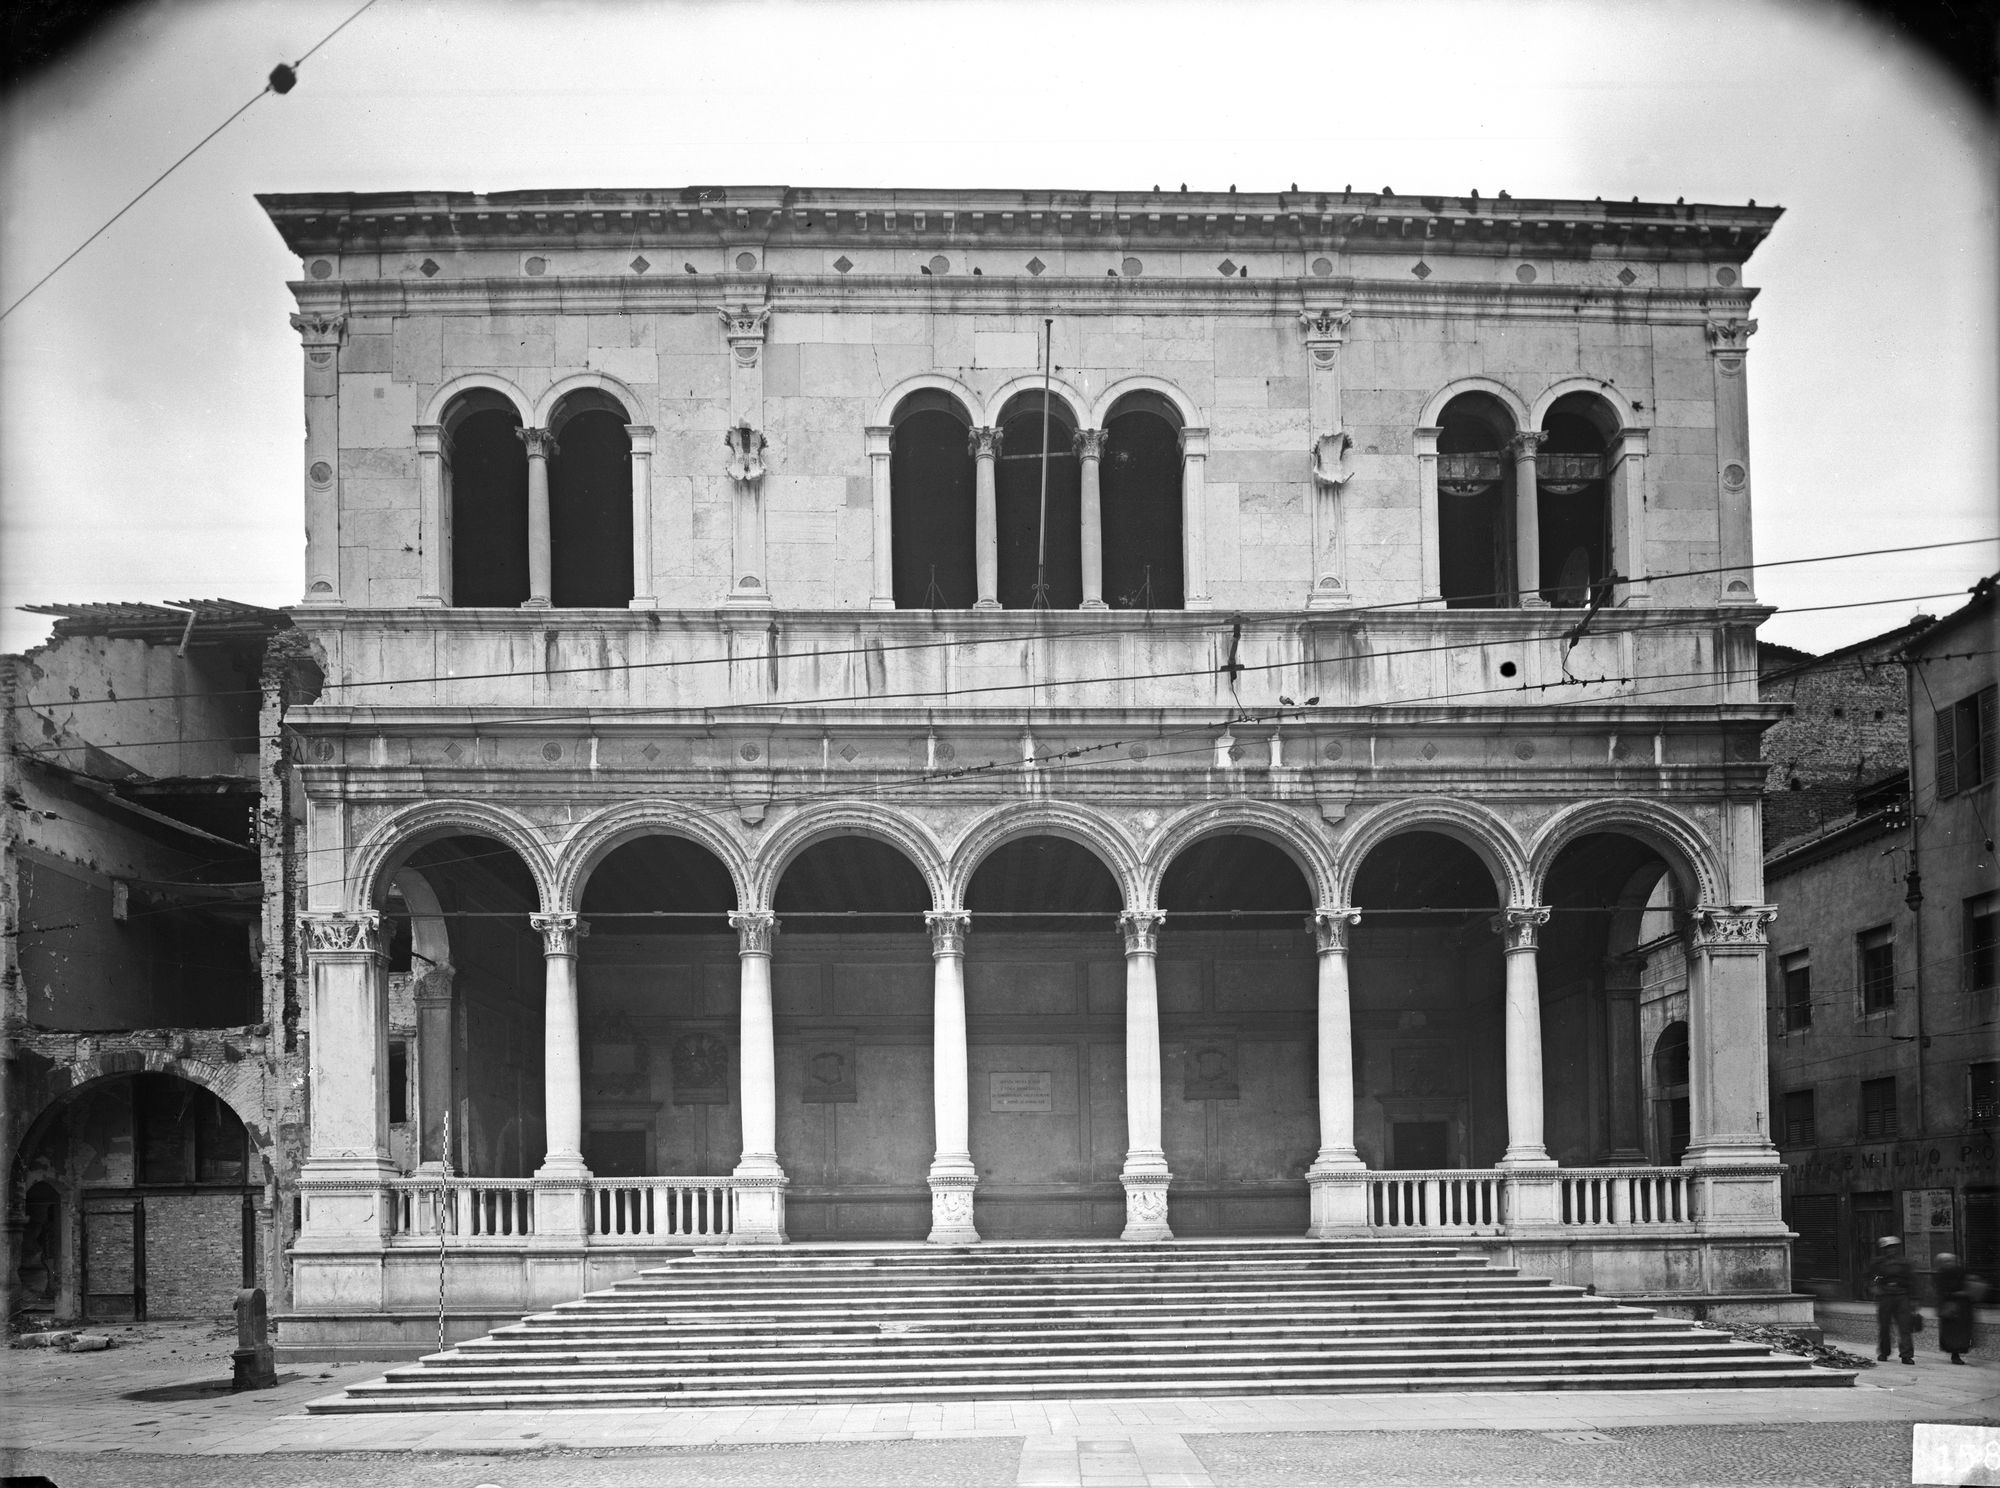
152 1400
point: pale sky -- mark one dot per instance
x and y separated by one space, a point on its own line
150 403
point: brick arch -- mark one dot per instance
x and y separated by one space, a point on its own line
1091 830
849 819
392 840
1282 829
1464 821
597 837
1688 854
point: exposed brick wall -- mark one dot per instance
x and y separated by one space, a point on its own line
1849 725
194 1254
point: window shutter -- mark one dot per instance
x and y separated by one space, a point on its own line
1989 731
1947 753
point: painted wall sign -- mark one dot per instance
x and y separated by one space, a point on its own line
1021 1090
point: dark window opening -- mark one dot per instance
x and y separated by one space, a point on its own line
1798 1118
1042 884
182 1134
399 1082
1968 739
590 506
615 1154
1878 1108
488 470
1670 1056
1031 535
1877 954
1816 1218
931 499
1475 504
41 1247
1140 496
1572 498
1982 1093
1796 972
1982 942
1416 1145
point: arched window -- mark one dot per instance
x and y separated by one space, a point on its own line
590 503
486 472
1475 503
1570 481
1141 504
931 496
1670 1092
1027 534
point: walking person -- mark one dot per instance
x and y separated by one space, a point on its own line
1889 1281
1954 1306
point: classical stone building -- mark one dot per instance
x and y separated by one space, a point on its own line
1060 714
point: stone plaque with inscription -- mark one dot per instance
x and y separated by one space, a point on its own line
1021 1090
829 1075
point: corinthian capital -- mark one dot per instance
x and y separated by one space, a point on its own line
983 444
1520 925
756 930
539 443
1089 444
318 327
1731 926
1330 926
559 932
1324 331
948 930
343 934
1731 335
744 326
1526 445
1141 928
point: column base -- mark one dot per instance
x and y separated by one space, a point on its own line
539 602
643 602
562 1201
1527 1155
1145 1206
1328 594
344 1201
1198 602
430 602
760 598
1093 604
1534 602
760 1204
951 1207
1336 1160
986 604
1339 1201
881 602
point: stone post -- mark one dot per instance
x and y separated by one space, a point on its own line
434 516
985 444
881 445
1628 512
1090 451
562 1182
1527 521
1194 520
1520 926
320 332
1429 516
1728 346
347 1166
1145 1174
541 446
760 1199
1338 1204
644 595
952 1175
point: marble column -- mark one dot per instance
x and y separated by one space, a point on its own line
760 1198
349 1046
1520 927
320 332
881 445
644 595
433 516
952 1176
1090 452
1628 512
1336 1042
562 1182
1729 345
1429 515
1145 1174
541 447
436 1085
985 444
1194 520
1527 522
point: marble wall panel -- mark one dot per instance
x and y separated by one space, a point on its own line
376 412
417 348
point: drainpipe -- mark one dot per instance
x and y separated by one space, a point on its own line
1914 881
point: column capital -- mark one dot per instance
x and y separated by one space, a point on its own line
343 934
641 436
1731 336
432 439
1528 444
559 932
1194 443
319 328
744 327
1330 925
1324 331
1730 927
948 928
1141 929
1634 441
881 440
1089 444
539 443
1424 440
1520 925
755 929
983 443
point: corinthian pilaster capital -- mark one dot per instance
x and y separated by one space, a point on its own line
1324 331
744 326
1727 927
1330 926
1089 444
1141 928
1520 925
948 931
539 443
343 934
319 328
983 443
1730 335
756 930
559 932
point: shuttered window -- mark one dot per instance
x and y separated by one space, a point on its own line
1799 1118
1878 1108
1968 741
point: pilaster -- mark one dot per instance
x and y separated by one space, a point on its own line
320 332
1728 348
1325 331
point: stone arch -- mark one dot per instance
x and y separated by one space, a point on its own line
430 937
1478 828
597 837
1515 404
1091 830
885 410
392 841
1059 391
1687 852
442 399
545 406
1597 387
1191 416
1282 829
849 819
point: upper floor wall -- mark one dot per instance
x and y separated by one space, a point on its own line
834 400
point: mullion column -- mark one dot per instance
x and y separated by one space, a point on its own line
1339 1199
881 446
1527 522
1145 1174
1090 452
985 443
1520 926
541 447
952 1175
760 1182
562 1190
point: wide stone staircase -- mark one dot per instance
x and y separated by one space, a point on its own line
849 1323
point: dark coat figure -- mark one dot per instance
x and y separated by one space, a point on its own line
1889 1280
1955 1307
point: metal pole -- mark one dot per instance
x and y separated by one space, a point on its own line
1041 596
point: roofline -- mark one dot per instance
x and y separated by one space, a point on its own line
1981 602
